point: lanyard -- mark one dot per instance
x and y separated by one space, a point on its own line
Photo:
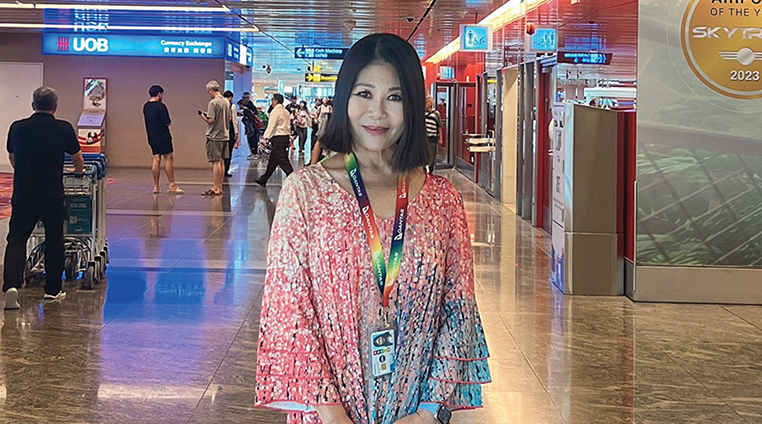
386 276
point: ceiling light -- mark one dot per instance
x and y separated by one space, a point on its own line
503 15
105 6
104 27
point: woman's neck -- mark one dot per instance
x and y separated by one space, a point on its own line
375 162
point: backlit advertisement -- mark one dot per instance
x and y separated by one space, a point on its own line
699 188
95 44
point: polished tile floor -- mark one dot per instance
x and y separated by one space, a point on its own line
171 337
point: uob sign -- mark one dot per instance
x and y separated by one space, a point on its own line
722 42
90 44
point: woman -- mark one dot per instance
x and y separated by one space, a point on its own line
327 302
302 119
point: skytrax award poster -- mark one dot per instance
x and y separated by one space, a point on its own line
700 133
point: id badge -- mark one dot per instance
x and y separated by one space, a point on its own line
382 351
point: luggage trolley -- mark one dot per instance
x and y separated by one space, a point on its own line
85 244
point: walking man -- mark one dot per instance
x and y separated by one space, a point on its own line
157 122
36 147
217 118
278 133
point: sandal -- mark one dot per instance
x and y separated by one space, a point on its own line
176 190
211 192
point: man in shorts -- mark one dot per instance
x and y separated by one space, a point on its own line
157 122
217 118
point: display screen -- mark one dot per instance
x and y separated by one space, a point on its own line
238 53
93 44
446 72
545 40
585 58
475 38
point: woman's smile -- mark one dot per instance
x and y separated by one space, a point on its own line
374 130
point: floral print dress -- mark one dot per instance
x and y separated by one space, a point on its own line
320 301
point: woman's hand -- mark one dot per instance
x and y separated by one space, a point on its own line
420 417
332 414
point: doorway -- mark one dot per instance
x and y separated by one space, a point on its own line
18 83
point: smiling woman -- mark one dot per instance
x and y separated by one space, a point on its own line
400 63
345 337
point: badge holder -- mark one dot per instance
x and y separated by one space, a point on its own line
382 345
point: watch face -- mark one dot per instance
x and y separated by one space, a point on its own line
444 415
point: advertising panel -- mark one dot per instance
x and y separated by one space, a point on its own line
699 192
557 134
103 44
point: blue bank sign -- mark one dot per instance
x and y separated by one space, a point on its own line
90 44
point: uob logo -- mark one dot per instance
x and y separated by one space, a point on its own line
90 44
722 43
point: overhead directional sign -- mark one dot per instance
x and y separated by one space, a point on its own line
584 58
330 53
312 77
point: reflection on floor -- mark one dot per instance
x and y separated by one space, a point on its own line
172 337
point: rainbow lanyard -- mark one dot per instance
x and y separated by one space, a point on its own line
386 276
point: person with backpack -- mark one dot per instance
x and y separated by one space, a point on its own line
251 122
433 131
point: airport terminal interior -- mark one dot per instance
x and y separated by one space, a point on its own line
606 151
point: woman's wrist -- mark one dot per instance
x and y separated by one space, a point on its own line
332 414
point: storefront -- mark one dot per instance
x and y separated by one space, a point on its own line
128 64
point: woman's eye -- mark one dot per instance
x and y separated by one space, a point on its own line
363 94
395 97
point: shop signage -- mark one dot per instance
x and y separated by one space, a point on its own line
585 58
329 53
238 53
475 38
79 44
446 72
723 46
544 40
312 77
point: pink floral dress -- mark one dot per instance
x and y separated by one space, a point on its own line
320 299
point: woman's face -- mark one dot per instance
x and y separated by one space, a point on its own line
375 112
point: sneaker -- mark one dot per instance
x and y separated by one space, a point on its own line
58 296
12 299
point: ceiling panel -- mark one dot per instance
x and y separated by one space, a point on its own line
287 24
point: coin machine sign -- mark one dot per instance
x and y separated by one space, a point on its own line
722 43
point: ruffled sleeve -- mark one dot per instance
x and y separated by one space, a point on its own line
459 366
293 372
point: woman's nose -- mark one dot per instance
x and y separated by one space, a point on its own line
377 108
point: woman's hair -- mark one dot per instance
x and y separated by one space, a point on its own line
303 105
228 94
412 151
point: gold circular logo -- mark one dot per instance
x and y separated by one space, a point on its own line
722 42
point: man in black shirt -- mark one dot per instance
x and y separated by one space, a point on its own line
157 126
247 109
36 147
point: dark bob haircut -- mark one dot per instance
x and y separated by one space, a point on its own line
227 94
412 151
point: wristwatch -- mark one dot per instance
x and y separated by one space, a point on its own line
441 413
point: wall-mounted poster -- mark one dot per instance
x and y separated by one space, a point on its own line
95 94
